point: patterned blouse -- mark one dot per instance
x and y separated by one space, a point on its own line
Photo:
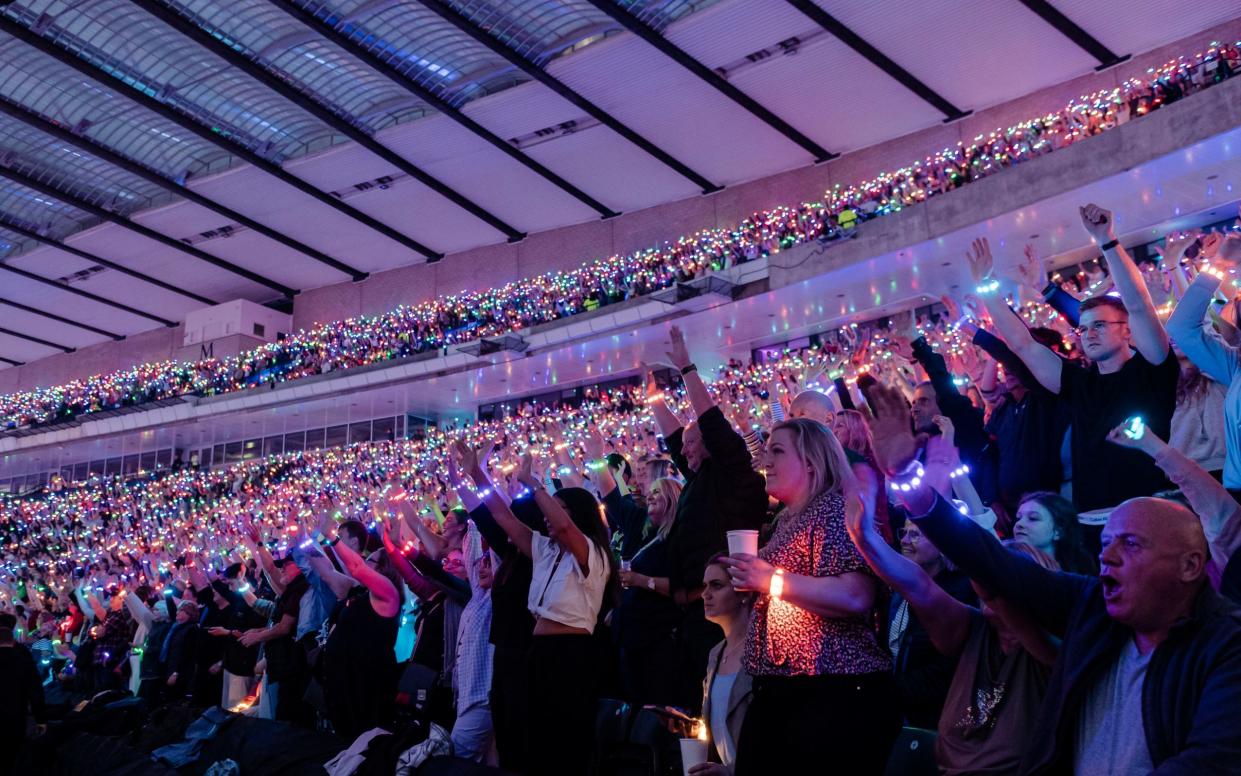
784 640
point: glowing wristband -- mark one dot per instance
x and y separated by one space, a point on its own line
960 471
909 479
777 584
1136 429
598 466
987 287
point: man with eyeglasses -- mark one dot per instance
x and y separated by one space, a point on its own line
1132 372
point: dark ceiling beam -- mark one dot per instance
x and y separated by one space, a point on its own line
37 340
284 87
11 362
35 121
498 47
23 179
710 77
8 223
217 136
1069 29
877 58
325 29
61 319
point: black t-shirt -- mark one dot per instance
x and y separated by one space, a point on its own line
1105 474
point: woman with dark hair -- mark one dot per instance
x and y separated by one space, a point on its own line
1048 522
727 689
822 682
1198 422
644 623
573 571
359 668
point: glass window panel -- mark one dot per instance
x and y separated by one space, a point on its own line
163 457
359 432
147 462
295 442
232 452
81 471
273 445
337 436
129 465
383 429
314 439
252 448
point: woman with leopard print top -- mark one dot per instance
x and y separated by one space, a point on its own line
822 681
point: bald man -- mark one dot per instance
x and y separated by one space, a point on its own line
814 405
1149 675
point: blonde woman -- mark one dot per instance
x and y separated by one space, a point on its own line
822 682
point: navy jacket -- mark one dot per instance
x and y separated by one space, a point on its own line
1191 697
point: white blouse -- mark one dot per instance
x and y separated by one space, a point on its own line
559 591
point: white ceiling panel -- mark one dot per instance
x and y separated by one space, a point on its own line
975 53
643 180
48 329
109 284
266 199
17 349
1145 24
677 111
486 175
844 102
152 258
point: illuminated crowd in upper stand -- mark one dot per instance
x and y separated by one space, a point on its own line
435 324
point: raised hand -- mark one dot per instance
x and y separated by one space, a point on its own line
950 304
679 354
592 443
894 443
1174 246
860 521
1031 271
1098 222
947 431
980 259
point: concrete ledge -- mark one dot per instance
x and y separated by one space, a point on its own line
1192 120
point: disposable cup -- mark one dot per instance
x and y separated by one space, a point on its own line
693 752
743 542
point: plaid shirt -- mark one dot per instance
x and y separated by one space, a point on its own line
112 645
472 669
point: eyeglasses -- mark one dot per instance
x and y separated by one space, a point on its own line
1095 328
910 535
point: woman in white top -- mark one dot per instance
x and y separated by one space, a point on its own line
728 689
572 571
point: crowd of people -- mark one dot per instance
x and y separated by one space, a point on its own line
435 324
1010 523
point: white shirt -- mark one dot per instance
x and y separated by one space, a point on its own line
725 746
559 590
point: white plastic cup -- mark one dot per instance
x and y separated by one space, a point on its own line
693 752
743 542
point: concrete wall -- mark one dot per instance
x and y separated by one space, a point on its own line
568 247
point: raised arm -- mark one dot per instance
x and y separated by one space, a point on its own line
946 619
518 532
1149 336
699 397
1049 596
385 599
1217 510
1187 326
1042 363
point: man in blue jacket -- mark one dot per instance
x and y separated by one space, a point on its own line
1149 674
